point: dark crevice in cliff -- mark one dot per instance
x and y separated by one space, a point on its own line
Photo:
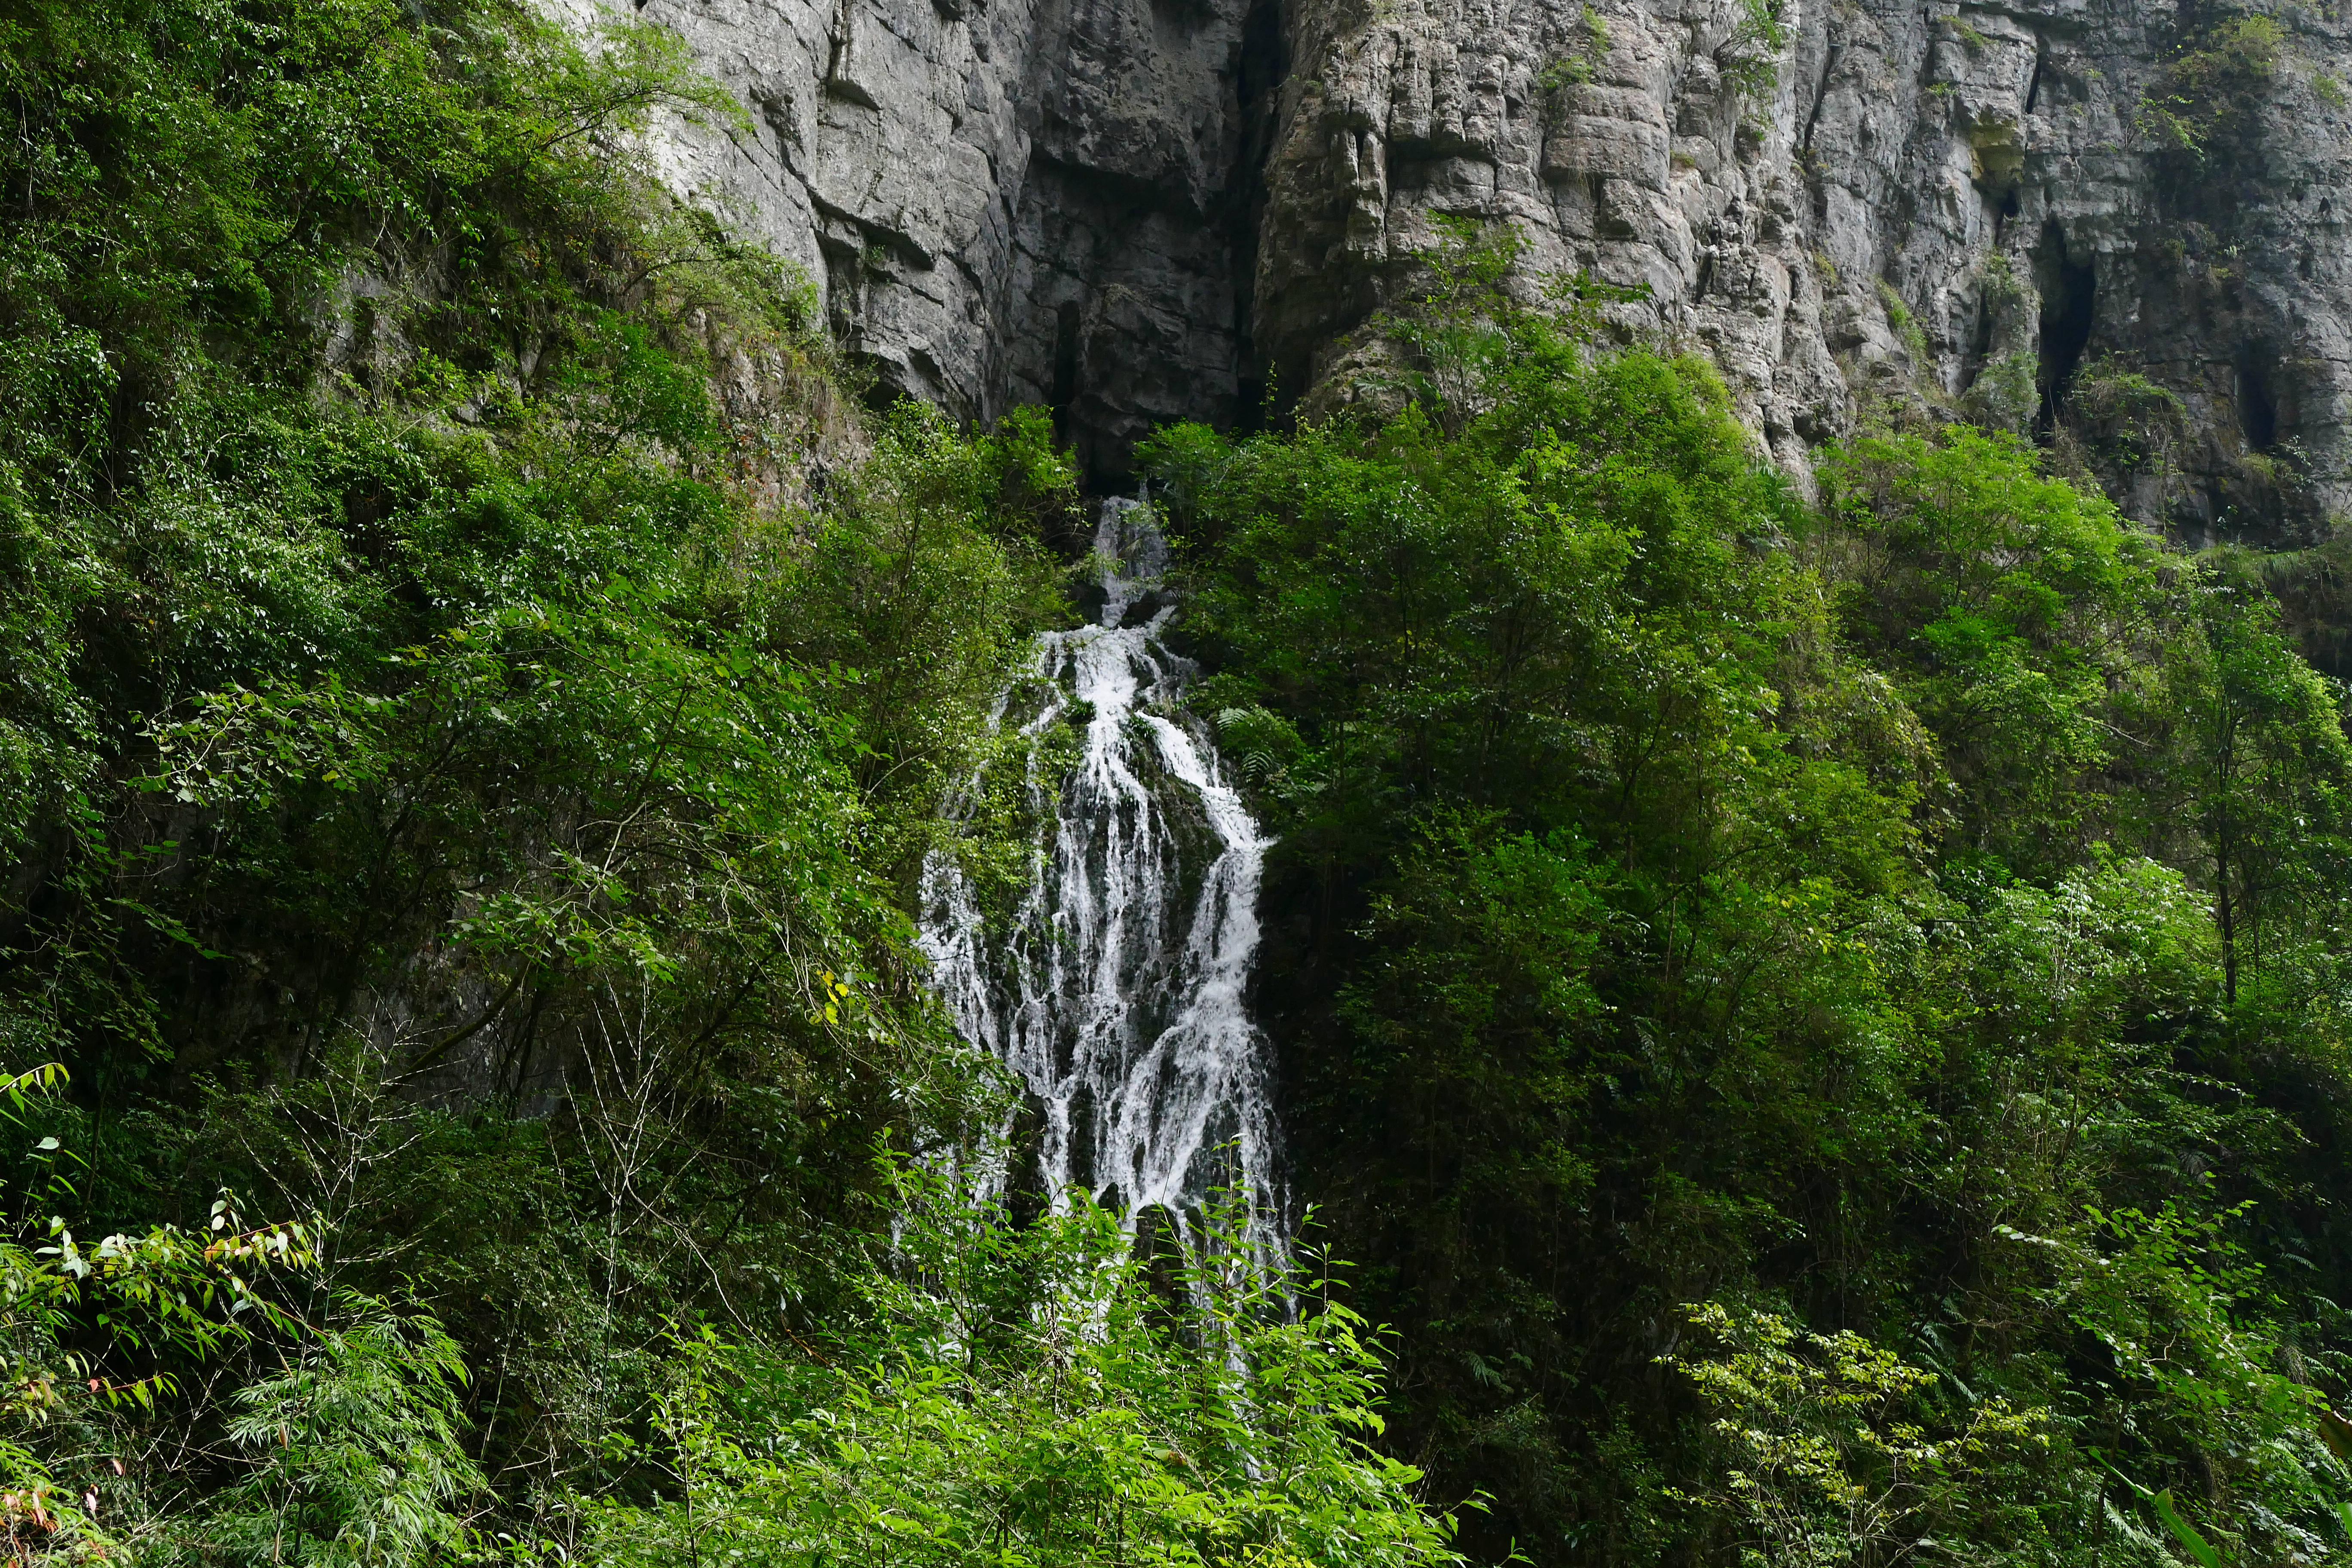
1127 296
1113 193
2006 211
2069 307
1816 183
1835 53
2257 410
1263 62
1979 343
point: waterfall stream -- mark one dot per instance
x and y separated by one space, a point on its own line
1114 991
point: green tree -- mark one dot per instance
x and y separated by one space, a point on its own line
1034 1397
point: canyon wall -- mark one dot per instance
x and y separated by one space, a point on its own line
2117 223
1004 202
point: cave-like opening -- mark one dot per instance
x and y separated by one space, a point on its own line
2069 308
2257 410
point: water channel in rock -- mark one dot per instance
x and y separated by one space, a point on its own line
1114 991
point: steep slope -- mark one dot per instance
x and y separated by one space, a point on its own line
2034 187
1004 202
1130 209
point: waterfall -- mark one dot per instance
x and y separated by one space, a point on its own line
1114 991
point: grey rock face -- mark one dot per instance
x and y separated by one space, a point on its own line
1002 201
1949 207
2118 222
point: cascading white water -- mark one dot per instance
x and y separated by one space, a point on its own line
1115 991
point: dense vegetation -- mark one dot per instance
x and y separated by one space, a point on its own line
1823 1025
478 696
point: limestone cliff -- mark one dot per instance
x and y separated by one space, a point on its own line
1005 201
2113 221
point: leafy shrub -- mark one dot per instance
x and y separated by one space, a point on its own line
1685 893
1033 1396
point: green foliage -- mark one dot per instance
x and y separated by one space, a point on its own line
2210 90
2005 394
94 1337
1750 57
463 776
354 1451
1576 745
2015 610
911 593
1824 1468
1680 893
2262 761
1576 68
1907 330
2310 587
438 689
1036 1396
2129 424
